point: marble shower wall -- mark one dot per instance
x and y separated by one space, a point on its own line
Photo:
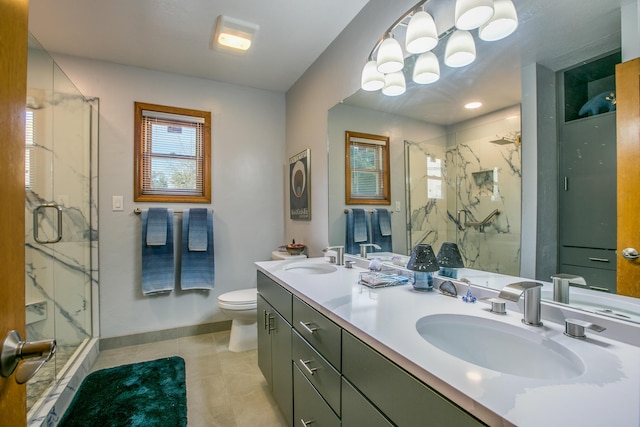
465 171
63 165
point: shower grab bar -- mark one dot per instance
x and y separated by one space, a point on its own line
480 224
36 226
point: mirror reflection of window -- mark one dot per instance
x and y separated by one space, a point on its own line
367 174
434 178
29 177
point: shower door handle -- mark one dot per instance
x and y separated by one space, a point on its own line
32 354
36 213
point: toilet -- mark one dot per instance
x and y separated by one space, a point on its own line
241 307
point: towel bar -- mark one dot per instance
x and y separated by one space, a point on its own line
138 211
346 211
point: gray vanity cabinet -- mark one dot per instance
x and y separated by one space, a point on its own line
309 406
274 342
358 411
405 400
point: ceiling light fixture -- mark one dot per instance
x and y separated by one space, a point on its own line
233 35
503 23
495 19
473 105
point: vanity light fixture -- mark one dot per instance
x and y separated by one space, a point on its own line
503 23
461 49
390 56
233 35
496 19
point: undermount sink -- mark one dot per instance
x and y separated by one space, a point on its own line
310 268
500 346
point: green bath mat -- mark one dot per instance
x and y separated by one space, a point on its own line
145 394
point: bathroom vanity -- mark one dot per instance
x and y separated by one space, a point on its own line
339 353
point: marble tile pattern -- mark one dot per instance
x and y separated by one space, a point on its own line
477 177
224 389
61 276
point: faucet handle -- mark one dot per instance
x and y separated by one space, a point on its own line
513 291
574 328
497 305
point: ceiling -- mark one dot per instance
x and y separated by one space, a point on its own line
555 34
175 36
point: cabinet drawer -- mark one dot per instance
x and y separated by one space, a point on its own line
320 332
318 371
402 398
308 407
597 278
588 257
357 411
276 295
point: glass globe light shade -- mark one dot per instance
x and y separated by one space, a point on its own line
390 58
470 14
503 22
460 50
372 79
394 84
422 35
426 69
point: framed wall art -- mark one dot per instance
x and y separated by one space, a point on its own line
299 186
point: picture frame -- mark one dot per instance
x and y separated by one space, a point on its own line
300 186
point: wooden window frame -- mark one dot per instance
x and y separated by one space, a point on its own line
170 197
385 199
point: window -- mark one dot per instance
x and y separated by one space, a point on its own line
367 169
434 178
172 154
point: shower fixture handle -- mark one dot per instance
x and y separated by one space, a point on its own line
36 222
33 354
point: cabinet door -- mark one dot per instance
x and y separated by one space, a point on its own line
264 338
281 365
309 407
358 411
588 190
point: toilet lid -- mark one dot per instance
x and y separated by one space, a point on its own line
242 296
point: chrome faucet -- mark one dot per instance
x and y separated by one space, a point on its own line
531 292
364 246
561 282
339 253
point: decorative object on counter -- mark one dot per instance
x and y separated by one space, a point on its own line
386 275
423 262
449 260
375 264
469 297
448 288
299 186
295 248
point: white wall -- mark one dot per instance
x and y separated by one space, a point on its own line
248 159
333 77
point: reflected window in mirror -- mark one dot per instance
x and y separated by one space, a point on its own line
367 169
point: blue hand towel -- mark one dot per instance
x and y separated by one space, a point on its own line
197 268
197 230
381 229
357 231
157 227
158 273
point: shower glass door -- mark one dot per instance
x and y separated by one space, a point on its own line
60 234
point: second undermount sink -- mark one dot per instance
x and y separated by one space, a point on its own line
304 267
500 346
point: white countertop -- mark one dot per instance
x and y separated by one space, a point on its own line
607 393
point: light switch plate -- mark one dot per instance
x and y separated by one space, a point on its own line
117 203
397 206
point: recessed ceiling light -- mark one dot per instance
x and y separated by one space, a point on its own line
233 35
473 105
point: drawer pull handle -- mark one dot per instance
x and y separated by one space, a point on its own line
305 423
306 326
270 324
598 259
266 320
305 363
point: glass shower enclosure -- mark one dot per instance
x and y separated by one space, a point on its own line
61 239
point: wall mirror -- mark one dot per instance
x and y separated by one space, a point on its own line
429 123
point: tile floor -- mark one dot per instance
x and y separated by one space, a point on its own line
224 389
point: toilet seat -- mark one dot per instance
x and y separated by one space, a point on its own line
243 299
